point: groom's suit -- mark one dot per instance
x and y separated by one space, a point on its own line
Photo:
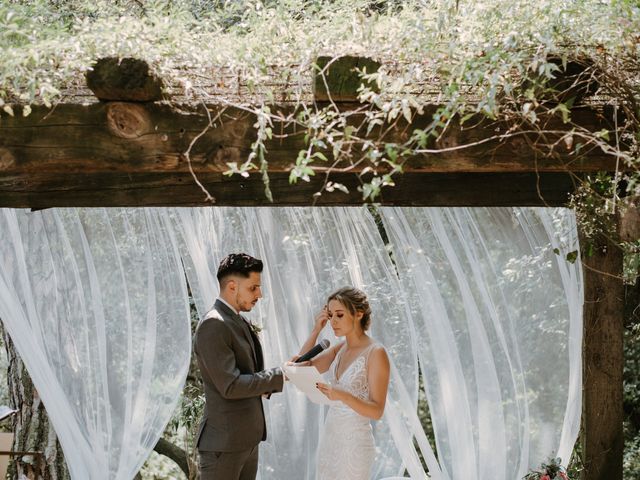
230 358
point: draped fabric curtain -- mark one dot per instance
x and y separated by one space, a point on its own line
481 302
308 253
498 309
483 298
96 305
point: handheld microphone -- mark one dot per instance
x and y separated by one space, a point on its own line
323 345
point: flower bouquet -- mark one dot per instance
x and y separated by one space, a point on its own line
551 471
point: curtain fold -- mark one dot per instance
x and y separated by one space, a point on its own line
482 302
96 305
499 317
308 253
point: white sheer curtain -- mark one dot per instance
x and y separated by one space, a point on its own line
478 295
498 313
308 253
482 300
96 304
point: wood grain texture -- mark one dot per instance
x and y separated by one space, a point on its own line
124 79
73 148
180 189
603 360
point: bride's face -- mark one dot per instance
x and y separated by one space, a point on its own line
342 320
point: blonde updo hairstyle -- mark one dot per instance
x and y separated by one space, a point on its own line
355 300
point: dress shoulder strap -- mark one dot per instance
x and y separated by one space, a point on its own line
367 352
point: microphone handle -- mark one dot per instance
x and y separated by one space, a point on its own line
310 354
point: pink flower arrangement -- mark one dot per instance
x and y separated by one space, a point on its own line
551 471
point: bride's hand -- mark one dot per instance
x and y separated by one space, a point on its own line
330 392
321 319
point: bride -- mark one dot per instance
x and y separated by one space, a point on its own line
358 380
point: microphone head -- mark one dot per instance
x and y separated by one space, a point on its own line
325 344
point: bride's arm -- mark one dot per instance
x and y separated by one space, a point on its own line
318 324
378 377
323 361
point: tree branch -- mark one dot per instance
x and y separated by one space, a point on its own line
175 453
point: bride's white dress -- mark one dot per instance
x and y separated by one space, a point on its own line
346 450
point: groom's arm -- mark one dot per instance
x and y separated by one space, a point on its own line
213 344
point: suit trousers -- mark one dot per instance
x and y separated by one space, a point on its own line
241 465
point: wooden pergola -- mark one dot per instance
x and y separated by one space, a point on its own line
131 148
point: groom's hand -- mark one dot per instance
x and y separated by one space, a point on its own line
292 362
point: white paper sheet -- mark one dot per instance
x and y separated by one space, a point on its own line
305 379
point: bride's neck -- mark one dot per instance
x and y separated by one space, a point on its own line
356 339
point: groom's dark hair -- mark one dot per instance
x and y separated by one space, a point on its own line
238 264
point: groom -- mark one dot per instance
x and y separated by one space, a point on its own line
230 359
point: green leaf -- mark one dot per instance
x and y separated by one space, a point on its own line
406 112
564 111
341 187
572 256
348 132
466 117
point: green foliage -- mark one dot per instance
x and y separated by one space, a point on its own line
631 462
594 204
631 399
553 470
494 58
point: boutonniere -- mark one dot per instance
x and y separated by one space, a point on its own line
255 328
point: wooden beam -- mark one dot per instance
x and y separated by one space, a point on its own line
124 79
338 79
603 361
158 189
74 149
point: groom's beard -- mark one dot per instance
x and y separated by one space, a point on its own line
245 306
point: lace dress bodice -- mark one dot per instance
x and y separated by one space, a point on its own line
346 450
353 378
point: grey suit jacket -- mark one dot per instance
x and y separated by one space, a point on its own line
230 358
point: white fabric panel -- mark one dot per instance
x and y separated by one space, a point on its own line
308 253
96 304
500 327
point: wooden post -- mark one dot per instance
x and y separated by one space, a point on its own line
603 358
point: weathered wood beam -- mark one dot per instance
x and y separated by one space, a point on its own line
124 79
603 360
338 79
158 189
74 149
130 137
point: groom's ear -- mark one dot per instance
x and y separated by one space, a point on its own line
228 283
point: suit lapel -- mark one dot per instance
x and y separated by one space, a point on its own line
246 331
257 353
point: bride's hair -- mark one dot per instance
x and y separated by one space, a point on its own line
356 301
